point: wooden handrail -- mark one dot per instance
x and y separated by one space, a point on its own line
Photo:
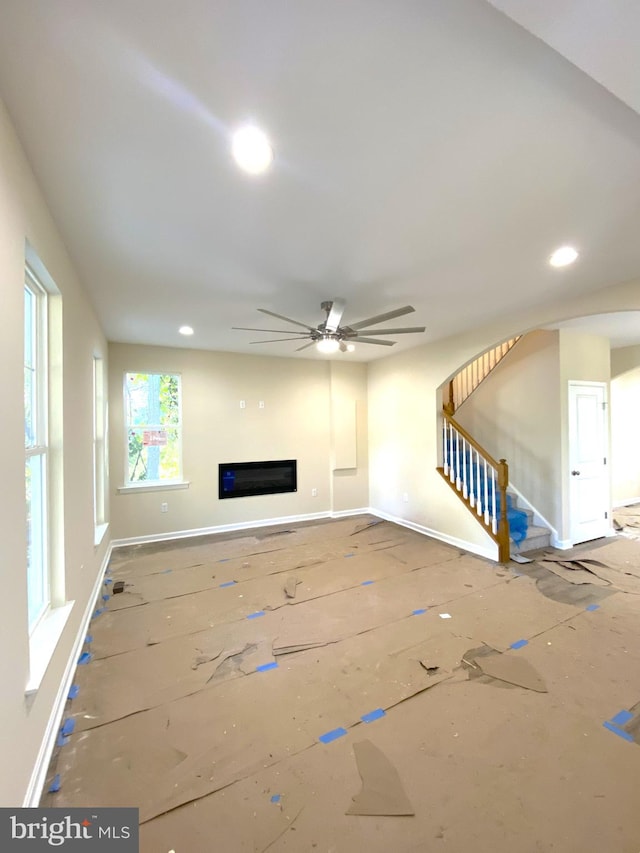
501 468
484 453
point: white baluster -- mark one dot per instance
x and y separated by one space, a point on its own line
478 486
494 522
445 452
486 502
472 483
465 491
452 457
458 483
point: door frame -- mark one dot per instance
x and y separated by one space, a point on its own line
607 529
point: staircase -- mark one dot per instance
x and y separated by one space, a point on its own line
480 481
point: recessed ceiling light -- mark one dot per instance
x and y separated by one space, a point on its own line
563 256
185 330
251 150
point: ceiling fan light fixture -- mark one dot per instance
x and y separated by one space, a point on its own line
328 344
251 150
351 347
185 330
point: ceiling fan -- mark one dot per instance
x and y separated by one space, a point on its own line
329 336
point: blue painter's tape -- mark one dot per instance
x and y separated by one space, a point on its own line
166 572
62 741
85 657
227 583
334 734
621 718
54 787
106 597
519 644
366 583
107 581
73 692
276 798
68 727
349 555
618 731
373 715
419 611
593 607
98 612
256 614
265 666
88 639
224 560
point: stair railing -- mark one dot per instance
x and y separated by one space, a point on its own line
479 480
465 382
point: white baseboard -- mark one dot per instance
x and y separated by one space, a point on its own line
39 773
346 513
561 544
228 528
489 553
626 502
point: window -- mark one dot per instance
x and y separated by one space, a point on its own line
36 447
100 457
154 431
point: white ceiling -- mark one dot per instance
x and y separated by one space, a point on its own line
428 153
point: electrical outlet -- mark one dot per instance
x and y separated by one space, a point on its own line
164 507
243 404
314 493
261 404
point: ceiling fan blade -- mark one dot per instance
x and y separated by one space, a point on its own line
287 319
335 315
380 318
276 331
275 341
404 331
306 346
374 341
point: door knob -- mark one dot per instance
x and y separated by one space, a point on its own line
575 473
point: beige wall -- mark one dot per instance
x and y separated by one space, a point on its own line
583 358
24 216
295 423
404 433
515 415
625 447
624 359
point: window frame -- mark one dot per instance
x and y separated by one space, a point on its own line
38 447
100 449
176 482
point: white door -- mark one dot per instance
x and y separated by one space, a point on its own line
588 451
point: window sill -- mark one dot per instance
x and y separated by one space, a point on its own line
154 487
99 533
43 642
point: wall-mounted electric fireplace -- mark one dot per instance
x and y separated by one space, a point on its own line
241 479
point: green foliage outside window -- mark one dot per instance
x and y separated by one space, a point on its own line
153 427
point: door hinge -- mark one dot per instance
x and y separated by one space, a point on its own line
605 460
606 515
604 406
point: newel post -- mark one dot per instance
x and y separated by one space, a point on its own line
504 549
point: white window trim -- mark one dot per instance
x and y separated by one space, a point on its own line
150 485
43 642
41 449
154 486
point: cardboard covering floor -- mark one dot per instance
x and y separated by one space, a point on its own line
354 686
